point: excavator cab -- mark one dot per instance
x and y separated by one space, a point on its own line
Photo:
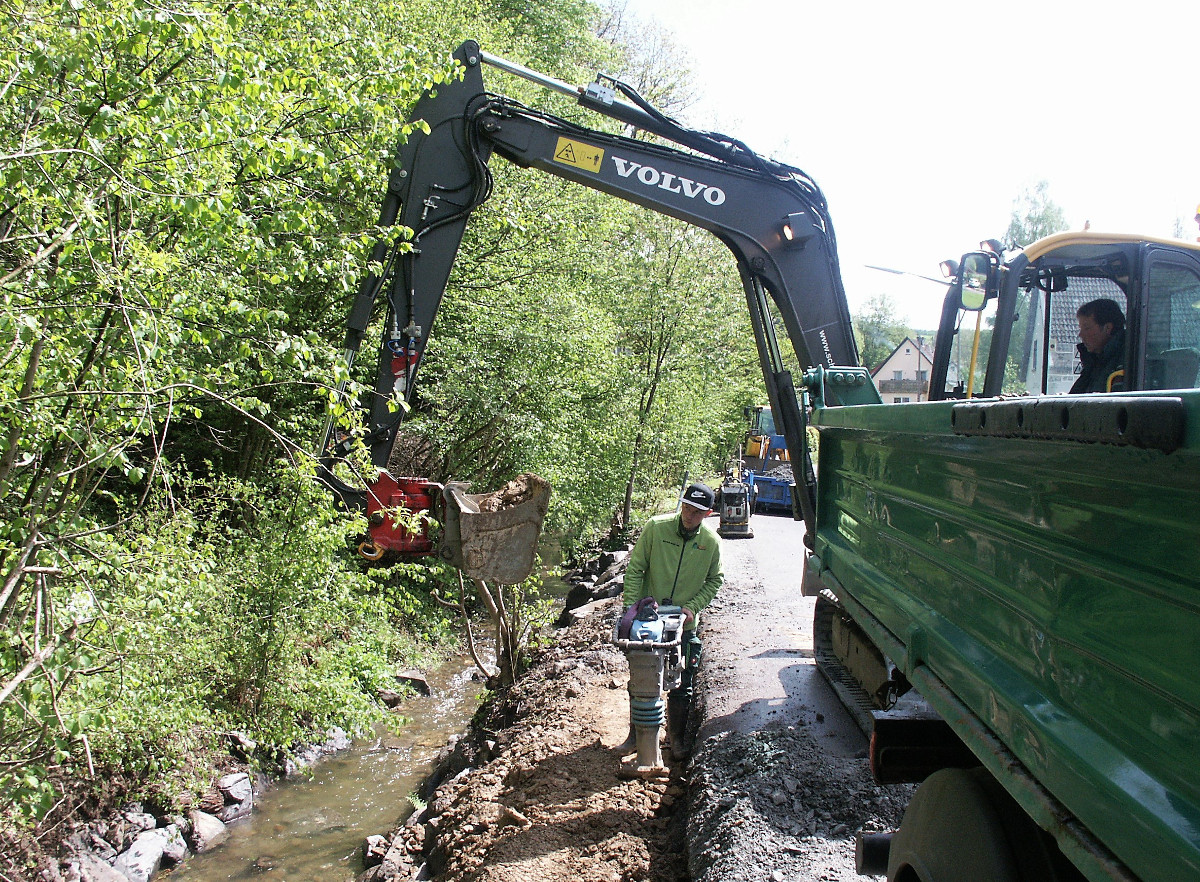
1023 338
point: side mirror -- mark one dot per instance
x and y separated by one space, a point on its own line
977 282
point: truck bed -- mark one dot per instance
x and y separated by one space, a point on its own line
1046 589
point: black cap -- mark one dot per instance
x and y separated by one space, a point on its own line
699 496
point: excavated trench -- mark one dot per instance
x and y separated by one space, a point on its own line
775 790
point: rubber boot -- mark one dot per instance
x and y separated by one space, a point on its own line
678 706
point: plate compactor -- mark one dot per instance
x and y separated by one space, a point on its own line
735 502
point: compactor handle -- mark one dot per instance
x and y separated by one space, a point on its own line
674 625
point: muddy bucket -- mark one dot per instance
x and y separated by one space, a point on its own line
494 536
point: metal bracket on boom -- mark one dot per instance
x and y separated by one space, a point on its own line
599 92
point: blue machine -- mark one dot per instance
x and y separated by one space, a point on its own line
768 467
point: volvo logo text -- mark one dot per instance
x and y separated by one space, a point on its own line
652 177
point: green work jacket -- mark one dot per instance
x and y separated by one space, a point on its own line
672 570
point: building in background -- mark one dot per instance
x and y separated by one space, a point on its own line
904 375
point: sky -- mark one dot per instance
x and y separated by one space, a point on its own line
924 121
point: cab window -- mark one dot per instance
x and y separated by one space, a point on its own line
1043 358
1172 327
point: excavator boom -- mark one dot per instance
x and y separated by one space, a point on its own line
771 216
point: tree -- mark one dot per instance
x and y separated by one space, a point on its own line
190 194
184 195
878 330
1034 215
648 59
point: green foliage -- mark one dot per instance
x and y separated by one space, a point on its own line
185 208
1034 216
239 613
190 193
878 330
617 359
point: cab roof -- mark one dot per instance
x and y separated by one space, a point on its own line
1088 243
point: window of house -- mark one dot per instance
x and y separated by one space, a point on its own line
897 375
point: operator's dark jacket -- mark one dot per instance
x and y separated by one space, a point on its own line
671 569
1096 368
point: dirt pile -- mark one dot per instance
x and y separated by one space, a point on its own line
540 797
518 490
781 472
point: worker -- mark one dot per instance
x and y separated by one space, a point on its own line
1102 345
677 561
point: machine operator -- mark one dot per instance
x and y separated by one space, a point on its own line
1101 347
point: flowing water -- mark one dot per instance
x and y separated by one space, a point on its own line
312 829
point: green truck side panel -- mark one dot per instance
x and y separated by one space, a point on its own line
1053 586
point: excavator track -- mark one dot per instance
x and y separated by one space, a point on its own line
849 690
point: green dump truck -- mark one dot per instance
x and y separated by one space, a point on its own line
1009 575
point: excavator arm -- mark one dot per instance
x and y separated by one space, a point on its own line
771 216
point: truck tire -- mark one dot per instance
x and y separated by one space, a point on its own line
962 825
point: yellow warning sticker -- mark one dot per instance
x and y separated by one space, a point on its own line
579 154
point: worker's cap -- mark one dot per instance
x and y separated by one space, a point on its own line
699 496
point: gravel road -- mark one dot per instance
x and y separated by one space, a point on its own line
780 783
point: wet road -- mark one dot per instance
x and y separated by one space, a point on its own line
758 643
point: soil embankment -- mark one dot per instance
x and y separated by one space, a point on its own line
776 789
541 798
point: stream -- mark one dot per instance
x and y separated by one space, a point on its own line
312 828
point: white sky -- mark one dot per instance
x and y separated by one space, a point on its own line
924 120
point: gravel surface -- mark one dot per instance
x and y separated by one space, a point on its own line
776 788
780 782
771 805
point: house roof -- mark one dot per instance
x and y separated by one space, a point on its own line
924 350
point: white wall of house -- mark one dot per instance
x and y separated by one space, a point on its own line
904 375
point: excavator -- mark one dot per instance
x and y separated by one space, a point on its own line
1004 574
772 217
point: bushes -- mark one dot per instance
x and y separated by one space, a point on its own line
233 607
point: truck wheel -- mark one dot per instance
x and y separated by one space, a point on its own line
962 825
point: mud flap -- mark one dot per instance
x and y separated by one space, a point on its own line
494 536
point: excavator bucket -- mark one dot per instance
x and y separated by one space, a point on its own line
494 536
